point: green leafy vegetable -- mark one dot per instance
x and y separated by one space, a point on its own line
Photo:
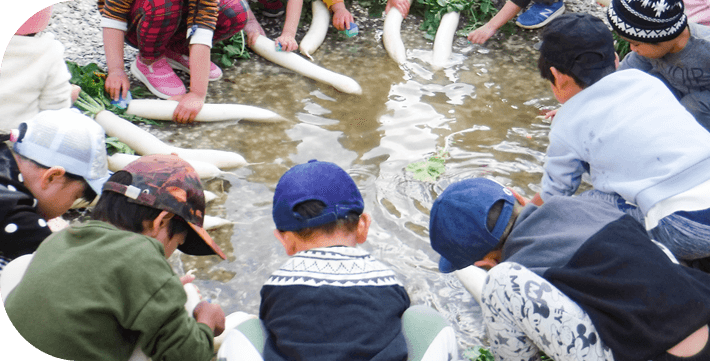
113 146
430 169
621 46
226 52
478 353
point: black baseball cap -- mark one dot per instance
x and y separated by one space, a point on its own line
581 44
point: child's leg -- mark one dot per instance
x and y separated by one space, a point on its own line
698 104
524 314
686 234
429 336
244 343
153 22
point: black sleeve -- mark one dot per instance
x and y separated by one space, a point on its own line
21 232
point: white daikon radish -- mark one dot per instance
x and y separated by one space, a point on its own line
205 170
473 278
212 222
392 37
266 48
444 40
209 196
145 143
158 109
317 31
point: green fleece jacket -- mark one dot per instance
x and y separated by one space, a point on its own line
94 292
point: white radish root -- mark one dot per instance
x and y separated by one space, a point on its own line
392 36
472 278
212 222
444 40
266 48
145 143
158 109
205 170
317 31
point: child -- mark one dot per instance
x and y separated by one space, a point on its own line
59 156
99 290
629 133
666 46
580 280
539 14
34 74
171 34
341 20
331 300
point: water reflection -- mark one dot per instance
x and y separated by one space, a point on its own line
482 110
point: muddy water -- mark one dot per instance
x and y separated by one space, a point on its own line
481 110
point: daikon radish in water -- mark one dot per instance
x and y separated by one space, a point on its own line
266 48
159 109
444 40
145 143
392 37
205 170
317 31
472 278
212 222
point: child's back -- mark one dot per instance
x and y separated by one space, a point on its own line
331 300
34 76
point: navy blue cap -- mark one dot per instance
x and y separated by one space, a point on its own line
321 181
457 225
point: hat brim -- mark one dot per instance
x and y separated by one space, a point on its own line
445 266
201 245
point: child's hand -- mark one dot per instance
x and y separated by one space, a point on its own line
189 105
401 5
288 42
253 29
341 16
211 315
482 34
75 90
551 114
117 84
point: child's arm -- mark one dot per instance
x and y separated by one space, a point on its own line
117 83
192 102
288 35
253 29
341 16
480 35
211 315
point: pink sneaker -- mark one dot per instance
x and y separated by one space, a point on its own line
159 77
182 62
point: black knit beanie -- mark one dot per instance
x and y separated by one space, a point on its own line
647 21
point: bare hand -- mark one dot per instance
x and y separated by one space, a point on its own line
551 114
341 17
482 34
211 315
401 5
189 105
117 84
288 42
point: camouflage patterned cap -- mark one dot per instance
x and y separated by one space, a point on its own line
169 183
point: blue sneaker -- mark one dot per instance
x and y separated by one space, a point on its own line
539 15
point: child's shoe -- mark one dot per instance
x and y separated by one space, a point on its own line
182 62
159 77
540 14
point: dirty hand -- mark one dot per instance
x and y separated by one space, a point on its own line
189 105
211 315
401 5
117 84
482 34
